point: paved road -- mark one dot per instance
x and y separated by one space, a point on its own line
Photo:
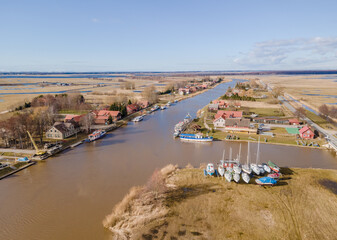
26 151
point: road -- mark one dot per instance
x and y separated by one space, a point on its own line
15 150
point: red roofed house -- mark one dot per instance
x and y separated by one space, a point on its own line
132 108
306 133
222 103
219 122
73 117
294 121
228 114
102 116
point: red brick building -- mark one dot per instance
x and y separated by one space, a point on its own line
306 133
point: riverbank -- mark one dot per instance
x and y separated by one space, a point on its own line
6 172
183 204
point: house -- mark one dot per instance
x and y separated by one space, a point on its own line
183 91
237 124
132 108
102 116
237 104
213 107
61 130
228 114
306 133
73 117
222 103
294 121
219 122
143 103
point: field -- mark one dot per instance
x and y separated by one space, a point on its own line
302 206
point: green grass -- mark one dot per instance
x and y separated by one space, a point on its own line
319 120
267 112
76 112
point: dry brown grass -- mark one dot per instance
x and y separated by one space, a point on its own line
299 207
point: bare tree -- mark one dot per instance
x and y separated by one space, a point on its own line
324 110
277 91
150 94
87 121
300 112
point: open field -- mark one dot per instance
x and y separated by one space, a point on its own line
103 90
302 206
313 90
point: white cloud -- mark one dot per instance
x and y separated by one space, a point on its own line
95 20
300 53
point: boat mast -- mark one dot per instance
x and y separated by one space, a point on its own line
223 155
239 153
248 155
258 152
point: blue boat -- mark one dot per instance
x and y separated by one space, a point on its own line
210 170
23 159
96 135
195 137
266 181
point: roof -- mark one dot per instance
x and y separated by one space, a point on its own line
239 122
62 127
304 129
70 116
294 120
107 113
228 114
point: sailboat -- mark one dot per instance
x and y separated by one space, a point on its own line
228 176
210 170
254 166
237 167
273 166
245 177
236 177
246 167
221 169
266 168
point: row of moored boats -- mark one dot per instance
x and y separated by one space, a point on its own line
233 170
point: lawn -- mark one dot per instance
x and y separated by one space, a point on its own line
319 120
267 112
301 206
76 112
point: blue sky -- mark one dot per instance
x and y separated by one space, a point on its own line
175 35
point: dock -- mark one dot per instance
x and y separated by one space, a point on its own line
18 170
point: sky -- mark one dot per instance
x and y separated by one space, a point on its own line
171 35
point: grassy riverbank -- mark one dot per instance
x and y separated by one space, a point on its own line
302 206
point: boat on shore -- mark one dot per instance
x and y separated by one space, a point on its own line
23 159
273 166
198 137
138 119
155 108
96 135
163 107
266 181
210 170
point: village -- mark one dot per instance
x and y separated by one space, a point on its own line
248 112
50 124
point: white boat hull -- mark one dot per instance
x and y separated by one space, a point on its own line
245 177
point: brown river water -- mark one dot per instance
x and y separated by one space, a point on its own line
68 196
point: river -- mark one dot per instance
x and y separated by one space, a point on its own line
67 197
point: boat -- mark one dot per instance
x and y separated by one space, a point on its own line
266 168
155 108
228 176
96 135
23 159
273 166
181 126
198 137
163 107
246 167
237 167
176 133
168 103
274 175
245 177
175 101
262 171
210 170
236 177
266 181
138 119
254 166
221 170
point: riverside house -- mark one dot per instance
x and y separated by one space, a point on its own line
61 130
102 116
306 133
132 108
238 124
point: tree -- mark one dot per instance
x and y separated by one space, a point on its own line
110 119
129 102
87 121
150 94
300 112
277 91
324 110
